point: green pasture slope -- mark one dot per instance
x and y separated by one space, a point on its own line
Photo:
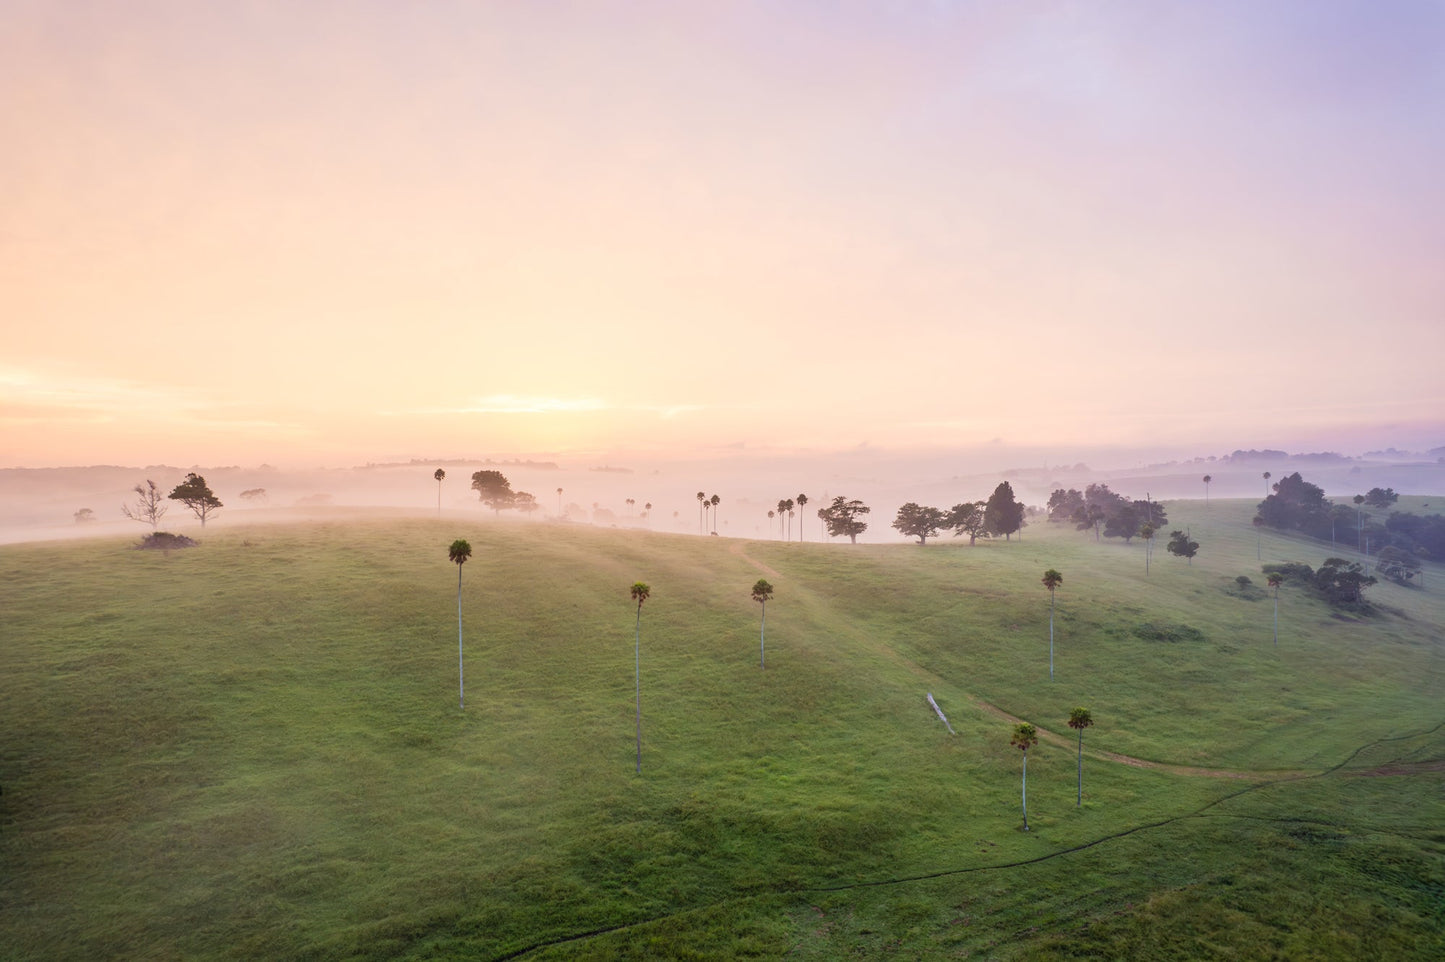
253 750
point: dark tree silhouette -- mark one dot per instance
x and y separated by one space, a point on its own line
494 490
714 501
1207 479
440 476
916 521
802 503
762 592
1002 513
1181 545
194 494
458 554
967 518
842 516
701 510
1079 719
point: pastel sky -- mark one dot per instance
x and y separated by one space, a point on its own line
322 233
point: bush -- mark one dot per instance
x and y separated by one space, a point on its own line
165 541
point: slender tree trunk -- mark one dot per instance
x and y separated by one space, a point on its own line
1026 790
1080 801
637 667
763 638
1051 635
461 677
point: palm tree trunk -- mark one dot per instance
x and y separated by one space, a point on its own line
763 638
1026 790
461 679
1080 801
637 661
1051 635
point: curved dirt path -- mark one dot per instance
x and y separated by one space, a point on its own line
1068 741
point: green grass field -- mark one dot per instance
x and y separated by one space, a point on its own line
253 749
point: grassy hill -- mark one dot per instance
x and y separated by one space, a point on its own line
253 749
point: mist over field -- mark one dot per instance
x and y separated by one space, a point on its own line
41 503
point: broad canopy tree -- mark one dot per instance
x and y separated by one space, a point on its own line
967 518
842 518
1182 545
494 490
194 494
916 521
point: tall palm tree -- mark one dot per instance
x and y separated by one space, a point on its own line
1052 579
771 516
788 519
782 517
762 591
1025 736
640 591
458 553
1266 483
559 502
1079 719
1207 478
1276 579
714 501
802 503
440 476
701 508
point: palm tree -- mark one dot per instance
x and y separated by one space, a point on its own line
771 516
701 503
440 476
1147 533
714 501
1276 579
1266 484
1207 478
640 591
762 591
790 519
802 503
782 517
1079 719
1052 579
1025 737
458 553
559 502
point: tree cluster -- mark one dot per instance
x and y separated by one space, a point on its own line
1105 512
1297 505
495 491
1340 582
1001 514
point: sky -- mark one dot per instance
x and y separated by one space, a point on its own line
331 233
